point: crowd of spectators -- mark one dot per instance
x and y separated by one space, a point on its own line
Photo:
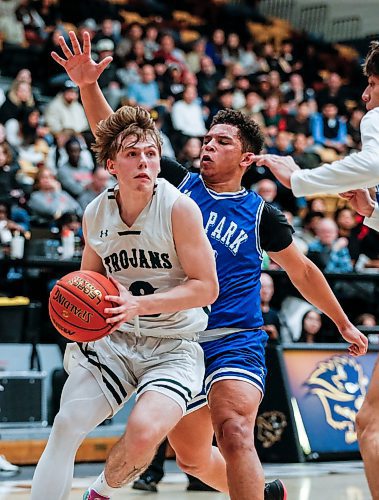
303 93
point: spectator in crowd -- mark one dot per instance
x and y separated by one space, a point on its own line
317 204
348 227
9 227
150 41
271 322
328 252
134 32
172 85
189 155
65 112
187 115
49 11
11 28
30 137
214 48
297 93
354 130
169 52
109 81
311 331
48 202
310 223
101 179
282 145
241 86
208 78
303 154
268 190
273 117
332 92
159 115
29 129
253 106
366 319
34 25
194 57
48 71
18 102
232 52
137 53
107 31
9 187
146 92
329 129
300 122
74 175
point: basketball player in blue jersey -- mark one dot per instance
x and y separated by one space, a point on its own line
239 226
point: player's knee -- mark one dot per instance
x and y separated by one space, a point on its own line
142 437
192 463
65 425
234 435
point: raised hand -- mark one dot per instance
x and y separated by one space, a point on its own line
281 166
80 66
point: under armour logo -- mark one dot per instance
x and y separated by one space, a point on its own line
103 233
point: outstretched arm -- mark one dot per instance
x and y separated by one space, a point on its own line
84 71
311 283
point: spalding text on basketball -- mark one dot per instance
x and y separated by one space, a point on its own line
77 311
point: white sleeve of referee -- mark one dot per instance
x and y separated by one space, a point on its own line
358 170
373 221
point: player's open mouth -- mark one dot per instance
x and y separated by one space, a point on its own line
206 158
142 176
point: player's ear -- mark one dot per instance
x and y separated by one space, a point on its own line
247 159
110 165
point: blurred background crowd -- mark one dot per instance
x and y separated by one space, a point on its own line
183 66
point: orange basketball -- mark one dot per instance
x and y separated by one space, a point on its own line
76 305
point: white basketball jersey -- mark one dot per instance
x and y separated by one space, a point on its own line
143 257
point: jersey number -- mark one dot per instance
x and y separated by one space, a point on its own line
139 288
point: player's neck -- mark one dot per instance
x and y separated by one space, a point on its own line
131 204
231 186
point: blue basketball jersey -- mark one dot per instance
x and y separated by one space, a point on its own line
231 221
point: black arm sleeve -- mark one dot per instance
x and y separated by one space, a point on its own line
172 171
275 232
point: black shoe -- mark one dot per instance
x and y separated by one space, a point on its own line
275 490
195 484
146 484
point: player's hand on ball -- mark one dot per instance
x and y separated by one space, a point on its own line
127 307
357 339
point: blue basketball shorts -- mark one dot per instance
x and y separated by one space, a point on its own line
237 356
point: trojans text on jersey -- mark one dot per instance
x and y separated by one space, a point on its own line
147 259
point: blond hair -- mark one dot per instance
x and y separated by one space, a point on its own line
126 121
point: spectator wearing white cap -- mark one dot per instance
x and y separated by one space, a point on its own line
109 81
65 112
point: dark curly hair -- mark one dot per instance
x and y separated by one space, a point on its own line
249 131
371 64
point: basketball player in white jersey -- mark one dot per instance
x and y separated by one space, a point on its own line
149 238
358 170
